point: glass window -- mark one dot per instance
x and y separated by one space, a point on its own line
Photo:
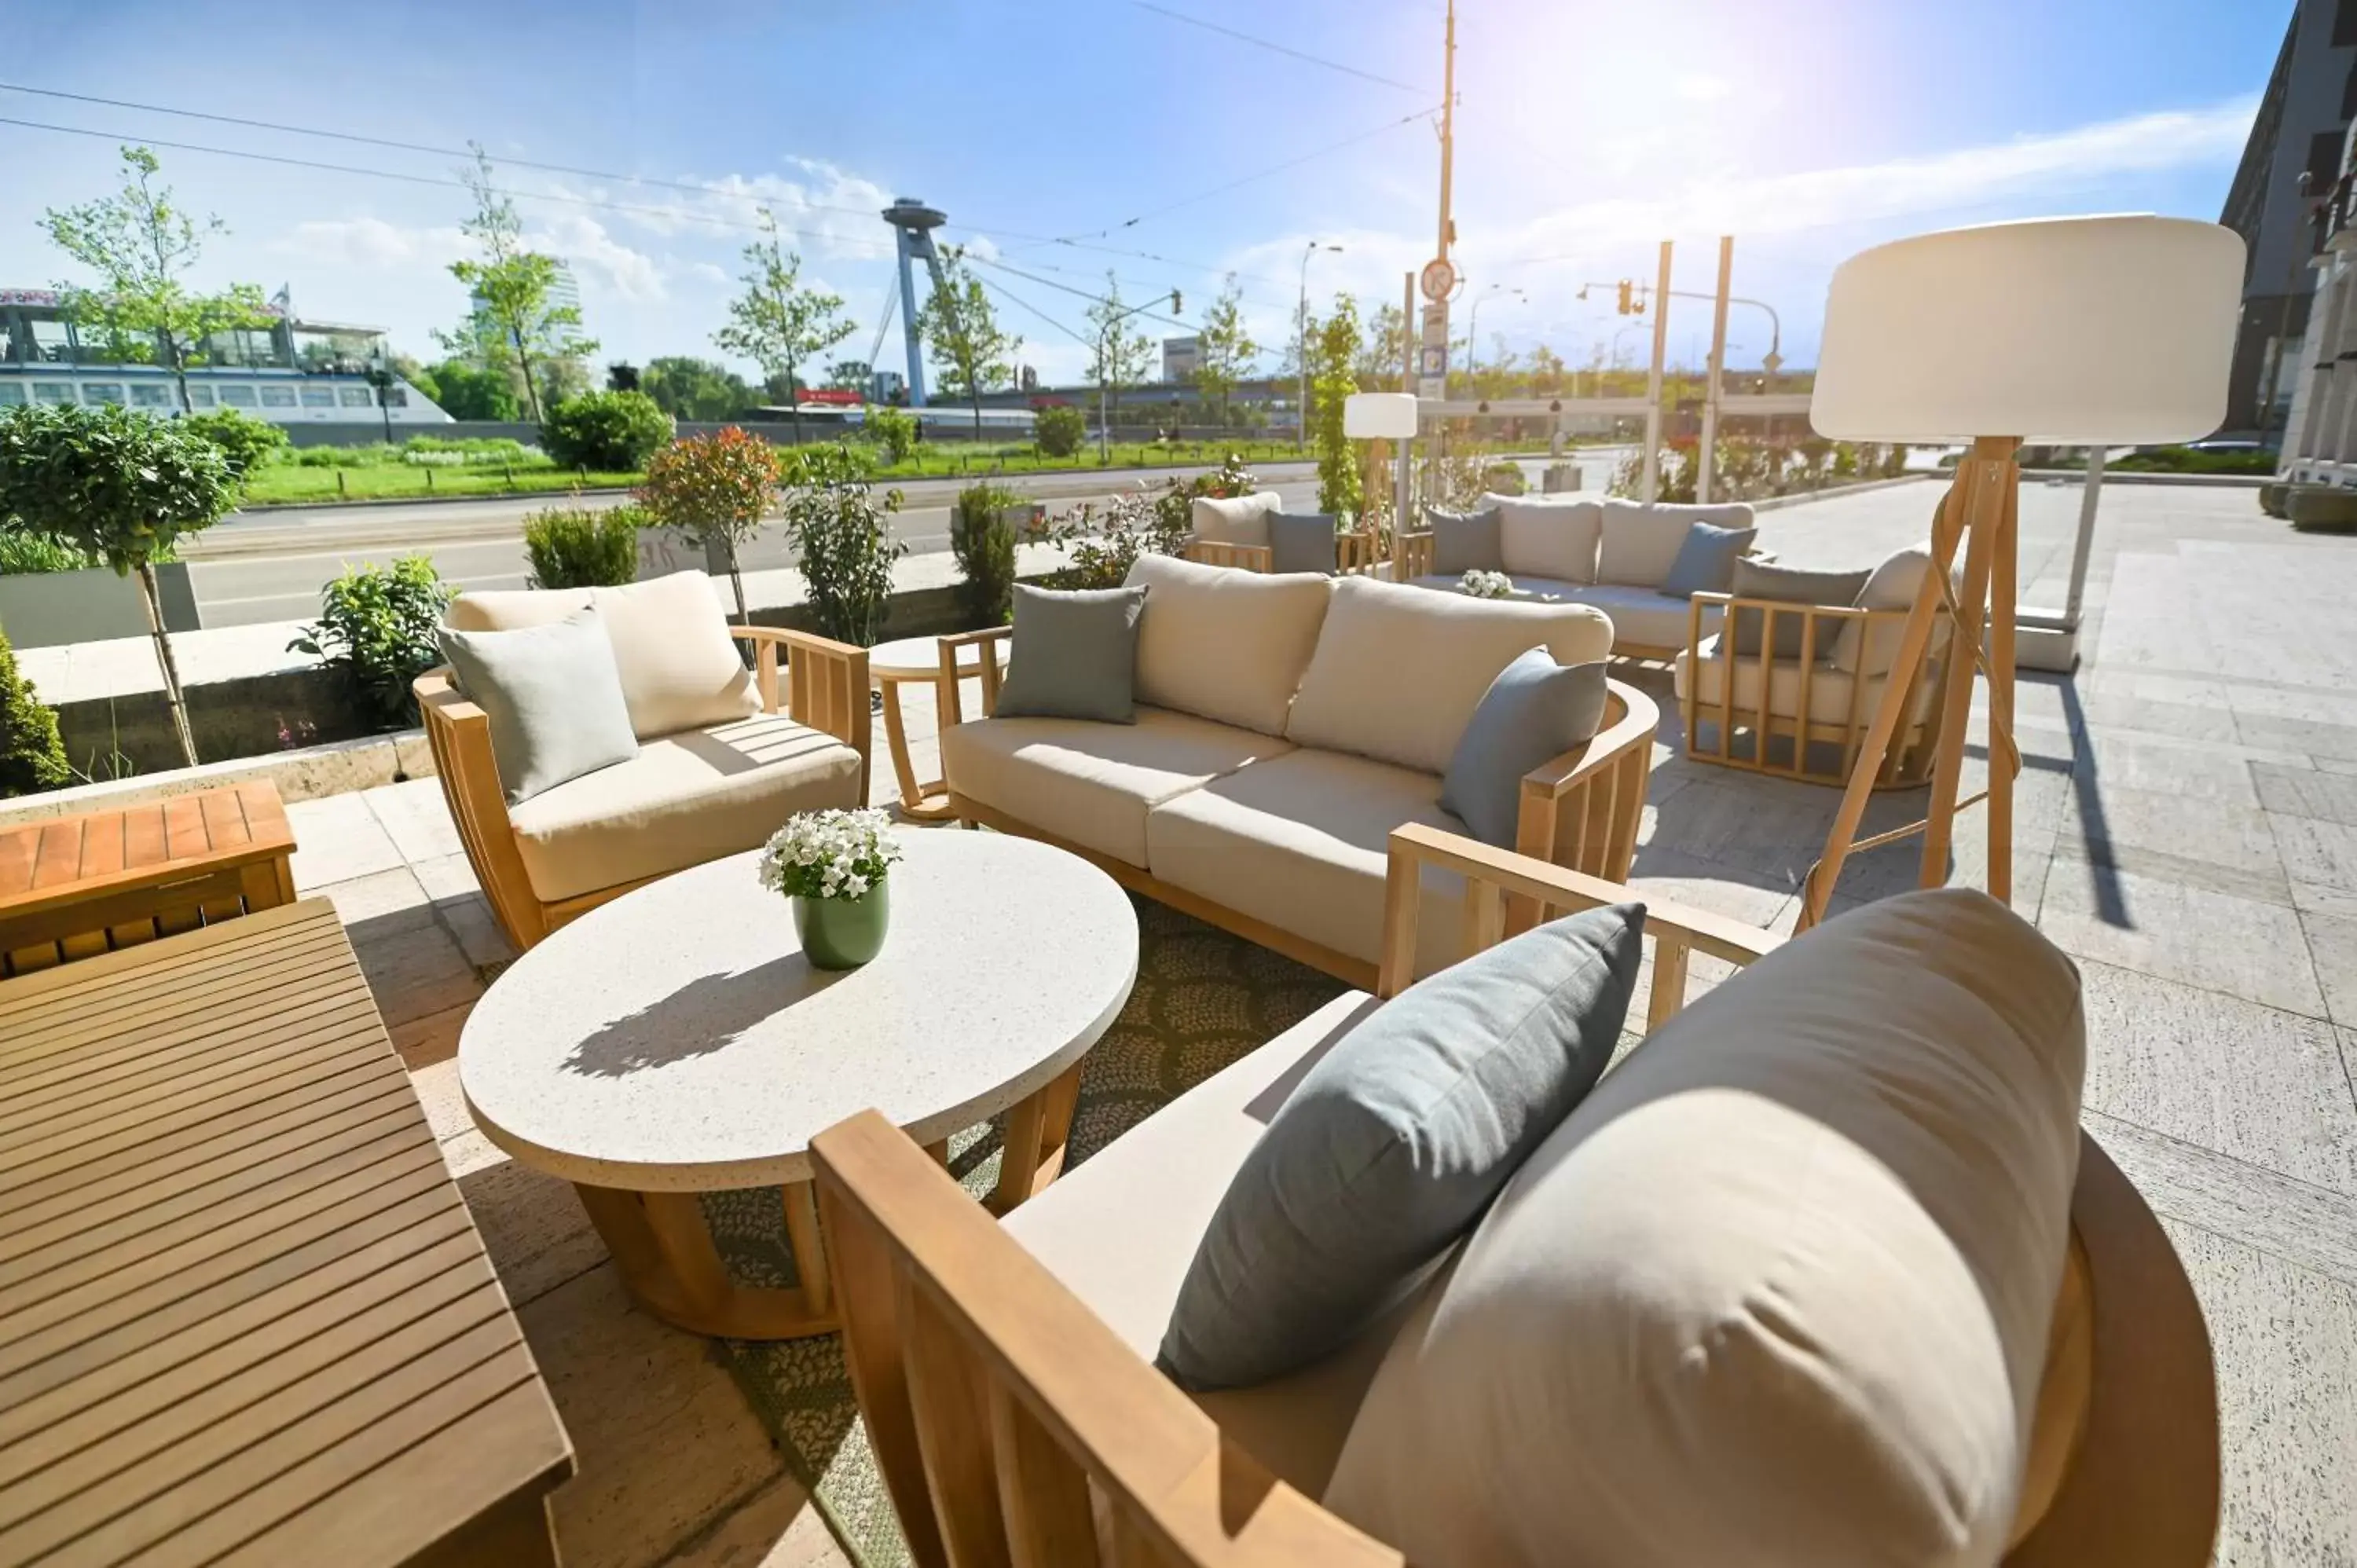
236 396
275 396
201 396
11 392
318 397
396 397
53 392
147 395
51 345
95 392
352 397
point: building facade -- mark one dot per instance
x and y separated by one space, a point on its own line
291 372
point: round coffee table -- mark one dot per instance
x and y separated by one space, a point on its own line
889 665
676 1041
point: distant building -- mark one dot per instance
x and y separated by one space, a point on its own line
2302 121
887 386
292 371
1180 356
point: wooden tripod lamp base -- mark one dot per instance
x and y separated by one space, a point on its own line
2075 331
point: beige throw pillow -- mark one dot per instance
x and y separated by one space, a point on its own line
1235 519
1225 644
1399 669
1553 537
1892 587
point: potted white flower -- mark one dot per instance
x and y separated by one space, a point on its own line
1483 585
834 867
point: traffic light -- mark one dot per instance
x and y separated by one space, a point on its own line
1626 308
1176 308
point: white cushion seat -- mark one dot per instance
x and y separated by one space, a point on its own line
1301 842
1829 689
684 799
1639 616
1092 784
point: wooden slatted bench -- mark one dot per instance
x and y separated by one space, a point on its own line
73 887
244 1314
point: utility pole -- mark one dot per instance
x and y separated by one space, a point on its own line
1709 454
1448 128
1439 278
1403 480
1653 380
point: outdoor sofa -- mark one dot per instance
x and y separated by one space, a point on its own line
1285 725
725 754
1255 534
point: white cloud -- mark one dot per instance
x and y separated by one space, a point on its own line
1697 88
584 244
371 242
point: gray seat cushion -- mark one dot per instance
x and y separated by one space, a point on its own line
1074 655
1532 713
1394 1144
1788 585
554 697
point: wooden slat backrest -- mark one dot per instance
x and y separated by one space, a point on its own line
244 1314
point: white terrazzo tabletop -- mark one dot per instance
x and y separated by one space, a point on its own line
676 1039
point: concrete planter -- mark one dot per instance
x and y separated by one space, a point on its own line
50 609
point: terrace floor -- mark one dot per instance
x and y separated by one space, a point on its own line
2186 828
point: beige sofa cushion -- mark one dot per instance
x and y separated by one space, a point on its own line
684 799
1235 519
1640 541
1120 1230
1399 669
679 664
1301 842
1091 784
1893 586
1549 537
1785 1276
1225 644
1829 690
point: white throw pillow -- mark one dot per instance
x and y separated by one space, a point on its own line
1892 587
1224 644
1642 542
1550 537
1399 669
1778 1291
1235 519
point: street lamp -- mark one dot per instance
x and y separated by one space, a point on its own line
1473 322
1104 338
1301 323
379 374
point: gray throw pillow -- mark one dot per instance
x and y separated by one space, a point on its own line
1392 1145
1301 542
1532 713
1788 584
1466 541
1074 655
554 697
1705 560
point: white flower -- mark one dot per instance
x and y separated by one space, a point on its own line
829 855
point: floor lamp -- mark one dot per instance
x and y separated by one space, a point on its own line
1378 418
2072 331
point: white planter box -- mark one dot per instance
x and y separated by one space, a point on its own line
48 609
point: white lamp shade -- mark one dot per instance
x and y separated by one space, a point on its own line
2069 330
1379 416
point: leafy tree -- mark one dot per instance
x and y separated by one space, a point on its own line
970 352
688 388
851 375
409 369
466 391
983 535
714 488
378 628
143 247
511 320
610 431
1380 362
1060 429
119 486
1224 348
896 428
843 535
32 755
777 322
1335 346
1546 371
1120 356
246 441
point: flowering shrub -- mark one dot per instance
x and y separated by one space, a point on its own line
1483 585
714 488
829 855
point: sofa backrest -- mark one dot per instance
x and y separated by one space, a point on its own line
1399 670
1640 541
679 664
1547 536
1224 644
1235 519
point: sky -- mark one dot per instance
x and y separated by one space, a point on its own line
1067 137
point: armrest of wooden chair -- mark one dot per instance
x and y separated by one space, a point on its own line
826 685
1243 557
953 703
1581 809
1410 554
460 735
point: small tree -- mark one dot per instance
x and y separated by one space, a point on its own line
896 428
143 247
1118 356
1060 429
777 323
379 629
983 535
971 354
32 757
715 488
510 319
610 431
120 486
1224 348
1379 361
844 538
1333 352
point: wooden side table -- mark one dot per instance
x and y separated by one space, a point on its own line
73 887
892 664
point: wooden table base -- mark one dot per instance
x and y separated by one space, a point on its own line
664 1248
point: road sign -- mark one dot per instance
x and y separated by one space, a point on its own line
1434 363
1436 325
1439 277
1433 387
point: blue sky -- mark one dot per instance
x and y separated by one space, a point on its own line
1586 132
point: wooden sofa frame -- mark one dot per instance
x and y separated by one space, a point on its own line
825 686
1909 763
1003 1412
1354 553
1579 811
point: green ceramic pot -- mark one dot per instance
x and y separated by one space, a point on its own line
844 933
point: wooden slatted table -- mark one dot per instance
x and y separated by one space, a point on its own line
244 1314
73 887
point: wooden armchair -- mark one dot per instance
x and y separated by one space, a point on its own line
1012 1425
823 683
1355 551
1752 701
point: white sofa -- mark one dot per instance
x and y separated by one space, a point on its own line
1286 724
1610 554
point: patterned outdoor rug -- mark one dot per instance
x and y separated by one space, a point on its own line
1203 999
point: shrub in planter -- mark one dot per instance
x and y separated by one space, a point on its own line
714 488
577 547
376 628
896 429
845 537
248 443
609 432
1060 430
1105 543
983 535
32 757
